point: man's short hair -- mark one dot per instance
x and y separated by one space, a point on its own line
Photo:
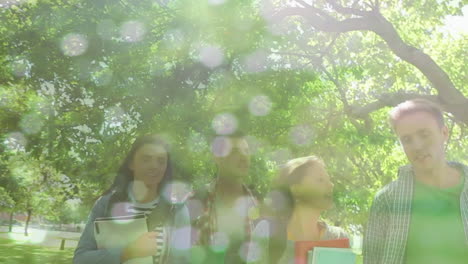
414 106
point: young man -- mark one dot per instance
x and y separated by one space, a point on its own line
228 206
422 217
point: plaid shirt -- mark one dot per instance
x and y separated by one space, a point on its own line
207 222
390 214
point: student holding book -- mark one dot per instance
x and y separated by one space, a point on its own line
137 189
301 193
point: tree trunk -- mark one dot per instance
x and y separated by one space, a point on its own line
10 225
27 222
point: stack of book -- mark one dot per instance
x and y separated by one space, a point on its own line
324 252
118 232
325 255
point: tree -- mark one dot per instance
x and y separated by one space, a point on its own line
333 16
81 79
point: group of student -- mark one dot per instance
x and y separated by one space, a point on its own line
421 217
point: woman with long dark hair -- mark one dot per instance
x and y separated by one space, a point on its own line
301 192
141 187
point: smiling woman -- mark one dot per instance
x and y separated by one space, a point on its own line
148 166
303 190
142 179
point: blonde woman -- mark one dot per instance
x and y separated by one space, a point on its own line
302 191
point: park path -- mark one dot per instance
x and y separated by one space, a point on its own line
39 237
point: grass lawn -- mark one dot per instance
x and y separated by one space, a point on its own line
13 253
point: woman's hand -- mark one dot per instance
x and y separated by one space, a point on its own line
145 245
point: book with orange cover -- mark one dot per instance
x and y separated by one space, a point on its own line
302 247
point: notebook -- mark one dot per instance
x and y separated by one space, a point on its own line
326 255
301 248
118 232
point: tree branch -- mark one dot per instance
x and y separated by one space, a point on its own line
346 10
448 96
393 99
438 77
322 22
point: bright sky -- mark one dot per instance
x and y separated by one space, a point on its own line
457 25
